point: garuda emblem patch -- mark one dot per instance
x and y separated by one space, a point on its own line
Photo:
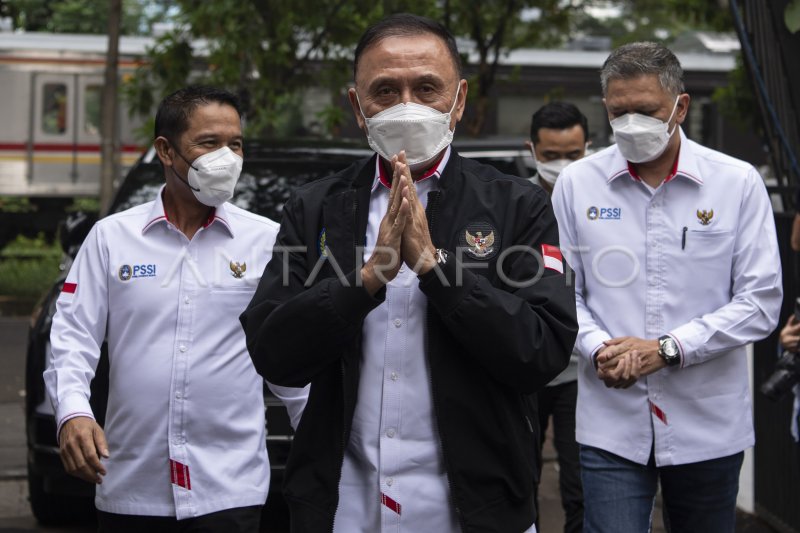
479 240
238 269
704 217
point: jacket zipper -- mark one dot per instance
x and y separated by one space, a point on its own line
342 443
433 205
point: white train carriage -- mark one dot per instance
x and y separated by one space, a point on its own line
50 93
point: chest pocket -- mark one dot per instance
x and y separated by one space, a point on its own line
713 245
708 256
230 299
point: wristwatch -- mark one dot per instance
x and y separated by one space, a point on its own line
668 350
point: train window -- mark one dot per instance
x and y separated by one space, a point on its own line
91 109
54 108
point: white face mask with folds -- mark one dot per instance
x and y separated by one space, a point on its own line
640 138
213 176
549 170
420 130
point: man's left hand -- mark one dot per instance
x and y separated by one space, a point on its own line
647 350
417 248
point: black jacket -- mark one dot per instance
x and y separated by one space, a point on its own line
489 344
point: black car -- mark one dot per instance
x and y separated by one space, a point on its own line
270 172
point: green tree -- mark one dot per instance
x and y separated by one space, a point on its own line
268 51
269 58
657 20
498 26
74 16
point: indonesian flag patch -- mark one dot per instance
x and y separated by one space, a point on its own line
552 258
68 292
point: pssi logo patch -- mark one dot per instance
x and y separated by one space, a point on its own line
127 272
604 213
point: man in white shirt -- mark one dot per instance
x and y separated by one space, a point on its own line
424 298
164 283
676 271
559 136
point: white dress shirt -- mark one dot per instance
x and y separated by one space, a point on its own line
393 478
696 258
185 418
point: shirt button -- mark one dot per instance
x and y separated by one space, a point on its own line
398 322
178 395
186 300
390 433
182 347
394 376
389 481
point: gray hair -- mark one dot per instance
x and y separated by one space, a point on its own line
637 59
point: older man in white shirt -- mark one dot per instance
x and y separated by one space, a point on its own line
676 270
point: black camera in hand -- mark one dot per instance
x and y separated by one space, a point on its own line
787 371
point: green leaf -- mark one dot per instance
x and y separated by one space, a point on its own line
792 16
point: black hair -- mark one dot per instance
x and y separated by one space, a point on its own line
558 116
172 117
406 25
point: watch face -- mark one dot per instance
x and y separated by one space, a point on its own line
668 349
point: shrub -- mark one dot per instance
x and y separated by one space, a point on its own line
28 267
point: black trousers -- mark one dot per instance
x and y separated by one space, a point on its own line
560 402
237 520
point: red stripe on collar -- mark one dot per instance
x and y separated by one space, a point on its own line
383 176
672 173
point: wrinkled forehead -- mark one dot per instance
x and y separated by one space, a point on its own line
403 47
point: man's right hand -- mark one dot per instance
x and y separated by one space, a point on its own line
385 261
82 443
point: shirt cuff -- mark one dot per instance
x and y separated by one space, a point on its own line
687 338
70 407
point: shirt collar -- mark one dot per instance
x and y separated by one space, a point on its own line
219 216
382 176
685 165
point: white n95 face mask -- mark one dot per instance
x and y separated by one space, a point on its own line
640 138
213 176
420 130
549 170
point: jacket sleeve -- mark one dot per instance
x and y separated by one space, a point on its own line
78 330
295 331
757 292
523 332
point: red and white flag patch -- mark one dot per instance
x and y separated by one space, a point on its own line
69 288
552 258
390 503
68 292
179 474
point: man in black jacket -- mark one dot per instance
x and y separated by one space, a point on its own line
422 358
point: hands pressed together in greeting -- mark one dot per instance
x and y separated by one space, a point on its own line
403 236
623 360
